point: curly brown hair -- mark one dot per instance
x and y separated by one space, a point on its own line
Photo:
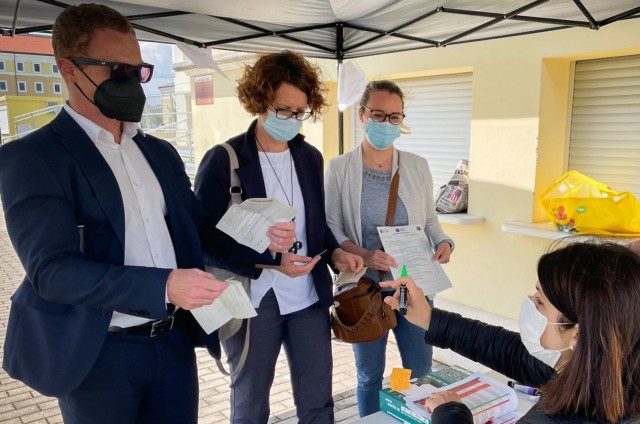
256 89
74 27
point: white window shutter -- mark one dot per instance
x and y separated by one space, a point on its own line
605 122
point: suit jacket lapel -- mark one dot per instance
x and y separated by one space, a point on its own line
94 167
184 236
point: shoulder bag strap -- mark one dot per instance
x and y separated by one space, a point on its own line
391 204
393 197
235 189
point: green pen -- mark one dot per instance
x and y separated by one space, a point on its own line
403 293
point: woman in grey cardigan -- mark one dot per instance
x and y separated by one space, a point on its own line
357 186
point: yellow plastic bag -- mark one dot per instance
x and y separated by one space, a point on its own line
581 205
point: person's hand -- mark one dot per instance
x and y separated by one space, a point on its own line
282 236
418 309
293 265
443 253
438 398
346 261
192 288
379 260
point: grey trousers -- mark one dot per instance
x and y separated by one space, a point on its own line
306 338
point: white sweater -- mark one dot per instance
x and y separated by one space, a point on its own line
343 189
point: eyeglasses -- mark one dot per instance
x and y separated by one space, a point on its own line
380 116
120 71
288 114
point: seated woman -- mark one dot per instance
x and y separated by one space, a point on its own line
583 322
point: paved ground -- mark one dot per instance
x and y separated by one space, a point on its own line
21 405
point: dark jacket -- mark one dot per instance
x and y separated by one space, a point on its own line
53 181
496 348
212 188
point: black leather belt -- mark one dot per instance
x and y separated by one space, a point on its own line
150 329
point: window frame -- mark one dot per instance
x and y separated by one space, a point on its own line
6 85
20 65
59 85
37 84
39 68
24 84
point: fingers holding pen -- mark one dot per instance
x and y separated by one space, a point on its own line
418 309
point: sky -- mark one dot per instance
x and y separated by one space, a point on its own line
158 55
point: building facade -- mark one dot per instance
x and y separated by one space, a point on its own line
31 87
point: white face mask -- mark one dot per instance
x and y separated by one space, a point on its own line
532 325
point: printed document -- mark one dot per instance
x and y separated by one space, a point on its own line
409 246
232 303
486 398
249 221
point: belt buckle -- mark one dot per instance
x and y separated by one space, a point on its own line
160 326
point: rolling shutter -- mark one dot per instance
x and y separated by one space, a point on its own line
605 122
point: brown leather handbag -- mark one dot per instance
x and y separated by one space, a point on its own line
358 313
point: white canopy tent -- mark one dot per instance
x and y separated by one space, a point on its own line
337 29
332 29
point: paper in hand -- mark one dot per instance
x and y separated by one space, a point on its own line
232 303
249 221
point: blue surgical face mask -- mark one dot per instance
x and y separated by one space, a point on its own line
281 129
381 134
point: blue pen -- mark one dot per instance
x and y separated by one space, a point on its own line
524 389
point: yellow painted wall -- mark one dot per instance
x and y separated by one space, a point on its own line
521 89
19 105
518 142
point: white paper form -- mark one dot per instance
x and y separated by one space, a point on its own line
249 221
409 246
232 303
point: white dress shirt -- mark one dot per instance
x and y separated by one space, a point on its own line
147 239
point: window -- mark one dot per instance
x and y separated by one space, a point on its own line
37 68
604 140
3 86
57 88
20 66
438 110
22 87
39 87
54 69
2 68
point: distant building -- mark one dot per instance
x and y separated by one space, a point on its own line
31 87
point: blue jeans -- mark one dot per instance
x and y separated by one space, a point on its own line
370 361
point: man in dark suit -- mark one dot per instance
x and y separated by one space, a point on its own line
103 220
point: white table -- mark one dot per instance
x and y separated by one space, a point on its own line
525 402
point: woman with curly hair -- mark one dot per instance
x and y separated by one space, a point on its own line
291 291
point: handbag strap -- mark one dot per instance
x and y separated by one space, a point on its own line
235 190
393 197
391 204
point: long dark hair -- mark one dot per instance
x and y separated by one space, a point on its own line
597 286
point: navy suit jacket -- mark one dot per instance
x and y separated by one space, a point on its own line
52 182
212 188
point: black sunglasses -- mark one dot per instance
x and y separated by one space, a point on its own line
120 71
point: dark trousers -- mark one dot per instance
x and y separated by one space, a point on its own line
306 338
138 379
